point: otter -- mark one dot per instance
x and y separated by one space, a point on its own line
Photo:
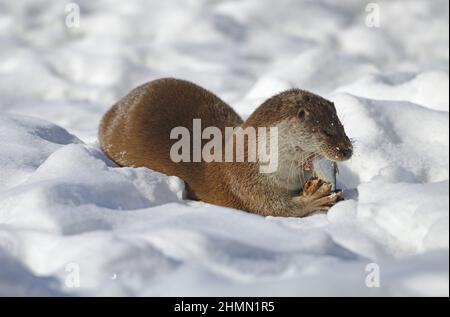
136 132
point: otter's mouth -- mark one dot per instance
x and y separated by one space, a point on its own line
308 163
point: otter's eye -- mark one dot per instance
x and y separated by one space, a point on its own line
327 133
302 113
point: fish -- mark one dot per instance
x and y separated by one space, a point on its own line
325 170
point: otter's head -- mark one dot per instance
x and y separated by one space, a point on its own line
307 123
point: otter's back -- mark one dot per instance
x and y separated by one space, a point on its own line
136 130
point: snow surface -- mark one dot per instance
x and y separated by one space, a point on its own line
66 209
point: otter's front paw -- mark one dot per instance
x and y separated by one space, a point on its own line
316 196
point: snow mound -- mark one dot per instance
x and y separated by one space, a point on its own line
26 143
429 89
396 140
17 280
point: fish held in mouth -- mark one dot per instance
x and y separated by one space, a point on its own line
325 170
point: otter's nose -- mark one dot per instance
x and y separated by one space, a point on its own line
347 152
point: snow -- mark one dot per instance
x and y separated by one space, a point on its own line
73 223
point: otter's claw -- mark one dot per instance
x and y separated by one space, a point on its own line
316 196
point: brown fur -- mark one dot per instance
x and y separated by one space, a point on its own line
136 132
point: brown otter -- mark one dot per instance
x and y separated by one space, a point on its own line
136 132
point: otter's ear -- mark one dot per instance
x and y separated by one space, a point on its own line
302 113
